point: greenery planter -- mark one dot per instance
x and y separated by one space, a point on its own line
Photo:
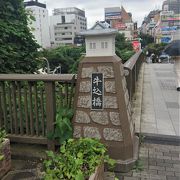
5 161
99 173
78 159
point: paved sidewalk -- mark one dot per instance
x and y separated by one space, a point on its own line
161 102
159 162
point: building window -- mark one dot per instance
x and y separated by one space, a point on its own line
63 19
104 45
92 45
66 39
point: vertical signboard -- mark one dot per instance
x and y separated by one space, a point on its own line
97 90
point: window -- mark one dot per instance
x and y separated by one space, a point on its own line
92 45
66 38
63 19
104 45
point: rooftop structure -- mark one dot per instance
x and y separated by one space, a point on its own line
34 3
100 40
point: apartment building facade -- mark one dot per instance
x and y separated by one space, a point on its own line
65 24
39 27
163 25
119 19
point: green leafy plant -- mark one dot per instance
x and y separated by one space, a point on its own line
138 166
3 135
63 128
141 138
77 160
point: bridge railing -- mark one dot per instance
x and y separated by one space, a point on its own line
132 68
28 105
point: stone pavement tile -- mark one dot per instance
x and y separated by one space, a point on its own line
157 94
165 164
155 160
173 169
109 176
142 174
175 150
131 178
177 174
164 157
161 162
166 132
156 168
172 178
174 154
172 161
157 177
176 166
166 173
148 130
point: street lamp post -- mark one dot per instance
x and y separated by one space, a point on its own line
48 67
56 69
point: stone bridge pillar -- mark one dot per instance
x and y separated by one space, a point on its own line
102 106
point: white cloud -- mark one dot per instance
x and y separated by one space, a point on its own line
95 9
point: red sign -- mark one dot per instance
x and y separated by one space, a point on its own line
119 26
136 45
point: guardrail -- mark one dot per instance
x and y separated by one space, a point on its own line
28 105
132 67
28 102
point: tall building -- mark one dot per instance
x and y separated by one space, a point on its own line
40 27
171 5
117 16
65 24
170 20
119 19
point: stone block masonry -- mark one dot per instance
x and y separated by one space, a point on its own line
112 124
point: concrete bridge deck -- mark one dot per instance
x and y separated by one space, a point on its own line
160 113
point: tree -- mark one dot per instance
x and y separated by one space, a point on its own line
66 56
18 49
146 39
124 48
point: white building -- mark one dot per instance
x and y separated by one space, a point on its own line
65 23
40 27
98 42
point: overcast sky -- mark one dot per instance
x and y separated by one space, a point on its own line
94 9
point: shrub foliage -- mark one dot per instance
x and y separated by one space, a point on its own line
18 50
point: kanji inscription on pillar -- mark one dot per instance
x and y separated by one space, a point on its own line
97 90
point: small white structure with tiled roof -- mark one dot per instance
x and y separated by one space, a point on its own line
100 40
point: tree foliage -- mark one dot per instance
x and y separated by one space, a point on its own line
124 48
155 48
66 56
146 39
18 49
